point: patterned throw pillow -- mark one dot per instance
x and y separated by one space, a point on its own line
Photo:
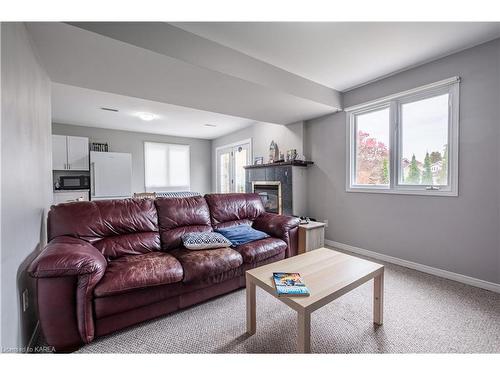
204 240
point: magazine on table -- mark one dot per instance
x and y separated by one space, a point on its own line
290 284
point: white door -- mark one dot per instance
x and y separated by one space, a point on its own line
111 174
78 153
59 152
230 171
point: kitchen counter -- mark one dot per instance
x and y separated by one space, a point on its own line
70 190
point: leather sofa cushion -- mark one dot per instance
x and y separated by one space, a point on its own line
178 216
115 227
257 251
233 209
139 271
200 265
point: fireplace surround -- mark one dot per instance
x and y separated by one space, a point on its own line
282 186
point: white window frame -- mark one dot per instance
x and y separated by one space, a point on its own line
448 86
233 145
169 187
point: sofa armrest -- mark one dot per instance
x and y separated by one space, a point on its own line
68 256
282 227
67 271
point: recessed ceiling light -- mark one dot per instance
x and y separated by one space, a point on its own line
109 109
146 116
211 125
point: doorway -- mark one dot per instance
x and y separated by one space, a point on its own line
231 159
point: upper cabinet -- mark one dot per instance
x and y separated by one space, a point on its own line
78 153
70 153
59 152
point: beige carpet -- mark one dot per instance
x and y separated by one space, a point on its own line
423 314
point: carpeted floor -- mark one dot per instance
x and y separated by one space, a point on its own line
423 314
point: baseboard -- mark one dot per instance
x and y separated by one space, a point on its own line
417 266
34 336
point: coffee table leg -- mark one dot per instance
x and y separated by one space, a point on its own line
378 298
251 317
304 332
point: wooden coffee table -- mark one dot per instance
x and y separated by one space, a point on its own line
328 274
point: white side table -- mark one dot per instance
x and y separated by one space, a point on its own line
311 236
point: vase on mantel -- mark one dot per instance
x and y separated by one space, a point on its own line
274 152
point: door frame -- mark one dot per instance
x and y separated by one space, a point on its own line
233 144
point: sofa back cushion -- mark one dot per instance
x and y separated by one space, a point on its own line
233 209
178 216
115 227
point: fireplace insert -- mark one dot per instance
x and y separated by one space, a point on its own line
270 194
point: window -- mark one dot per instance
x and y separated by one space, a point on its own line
406 143
230 171
166 167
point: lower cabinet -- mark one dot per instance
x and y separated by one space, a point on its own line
70 196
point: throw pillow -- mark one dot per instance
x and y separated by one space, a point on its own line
242 234
204 240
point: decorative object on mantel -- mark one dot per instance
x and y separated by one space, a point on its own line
274 152
291 154
258 160
99 147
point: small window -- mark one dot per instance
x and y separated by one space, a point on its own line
166 167
406 143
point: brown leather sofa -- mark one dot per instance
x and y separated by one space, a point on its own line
112 264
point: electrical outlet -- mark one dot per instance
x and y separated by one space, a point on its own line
326 223
25 300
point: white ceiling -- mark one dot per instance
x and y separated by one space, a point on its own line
79 106
344 55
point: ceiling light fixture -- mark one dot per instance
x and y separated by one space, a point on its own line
146 116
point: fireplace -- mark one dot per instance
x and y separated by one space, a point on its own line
270 194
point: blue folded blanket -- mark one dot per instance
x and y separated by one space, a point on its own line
242 234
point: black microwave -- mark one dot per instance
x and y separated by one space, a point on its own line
74 182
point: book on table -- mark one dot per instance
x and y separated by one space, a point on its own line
290 284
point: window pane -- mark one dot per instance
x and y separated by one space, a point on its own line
179 166
166 166
225 183
156 164
240 160
372 148
424 150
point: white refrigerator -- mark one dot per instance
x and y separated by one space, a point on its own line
110 175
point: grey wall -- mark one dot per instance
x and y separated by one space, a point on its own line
132 142
286 136
26 185
459 234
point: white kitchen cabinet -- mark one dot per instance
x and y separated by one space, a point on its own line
70 196
59 152
78 153
70 153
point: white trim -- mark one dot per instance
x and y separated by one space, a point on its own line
442 83
483 284
243 141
